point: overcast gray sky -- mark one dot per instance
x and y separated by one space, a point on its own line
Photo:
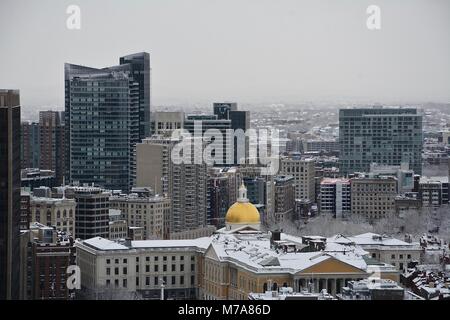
242 50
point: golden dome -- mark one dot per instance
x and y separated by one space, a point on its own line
242 213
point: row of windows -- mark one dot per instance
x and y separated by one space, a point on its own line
156 281
147 258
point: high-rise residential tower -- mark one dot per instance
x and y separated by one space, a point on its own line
51 142
386 136
29 145
107 112
9 194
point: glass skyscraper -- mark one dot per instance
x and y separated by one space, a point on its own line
106 113
387 136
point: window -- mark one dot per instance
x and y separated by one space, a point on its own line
165 280
173 258
164 258
137 281
182 280
393 256
173 268
182 258
147 258
108 261
147 268
173 280
124 283
192 258
165 268
137 259
116 283
108 271
409 256
192 267
156 268
137 268
116 271
116 261
192 280
108 282
125 260
156 258
125 270
401 256
156 281
181 267
147 281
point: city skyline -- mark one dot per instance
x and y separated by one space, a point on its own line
319 51
225 150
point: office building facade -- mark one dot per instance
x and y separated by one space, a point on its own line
387 136
107 112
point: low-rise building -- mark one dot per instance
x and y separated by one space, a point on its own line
114 269
384 248
335 197
151 213
373 198
59 213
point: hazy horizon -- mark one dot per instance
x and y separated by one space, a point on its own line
251 52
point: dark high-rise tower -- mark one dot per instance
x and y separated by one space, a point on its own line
140 68
9 193
240 120
107 112
29 145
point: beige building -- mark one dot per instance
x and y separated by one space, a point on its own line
150 213
164 123
373 198
153 163
122 269
54 212
118 229
303 171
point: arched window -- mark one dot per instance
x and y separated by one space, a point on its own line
64 213
38 215
285 285
58 214
265 287
275 286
